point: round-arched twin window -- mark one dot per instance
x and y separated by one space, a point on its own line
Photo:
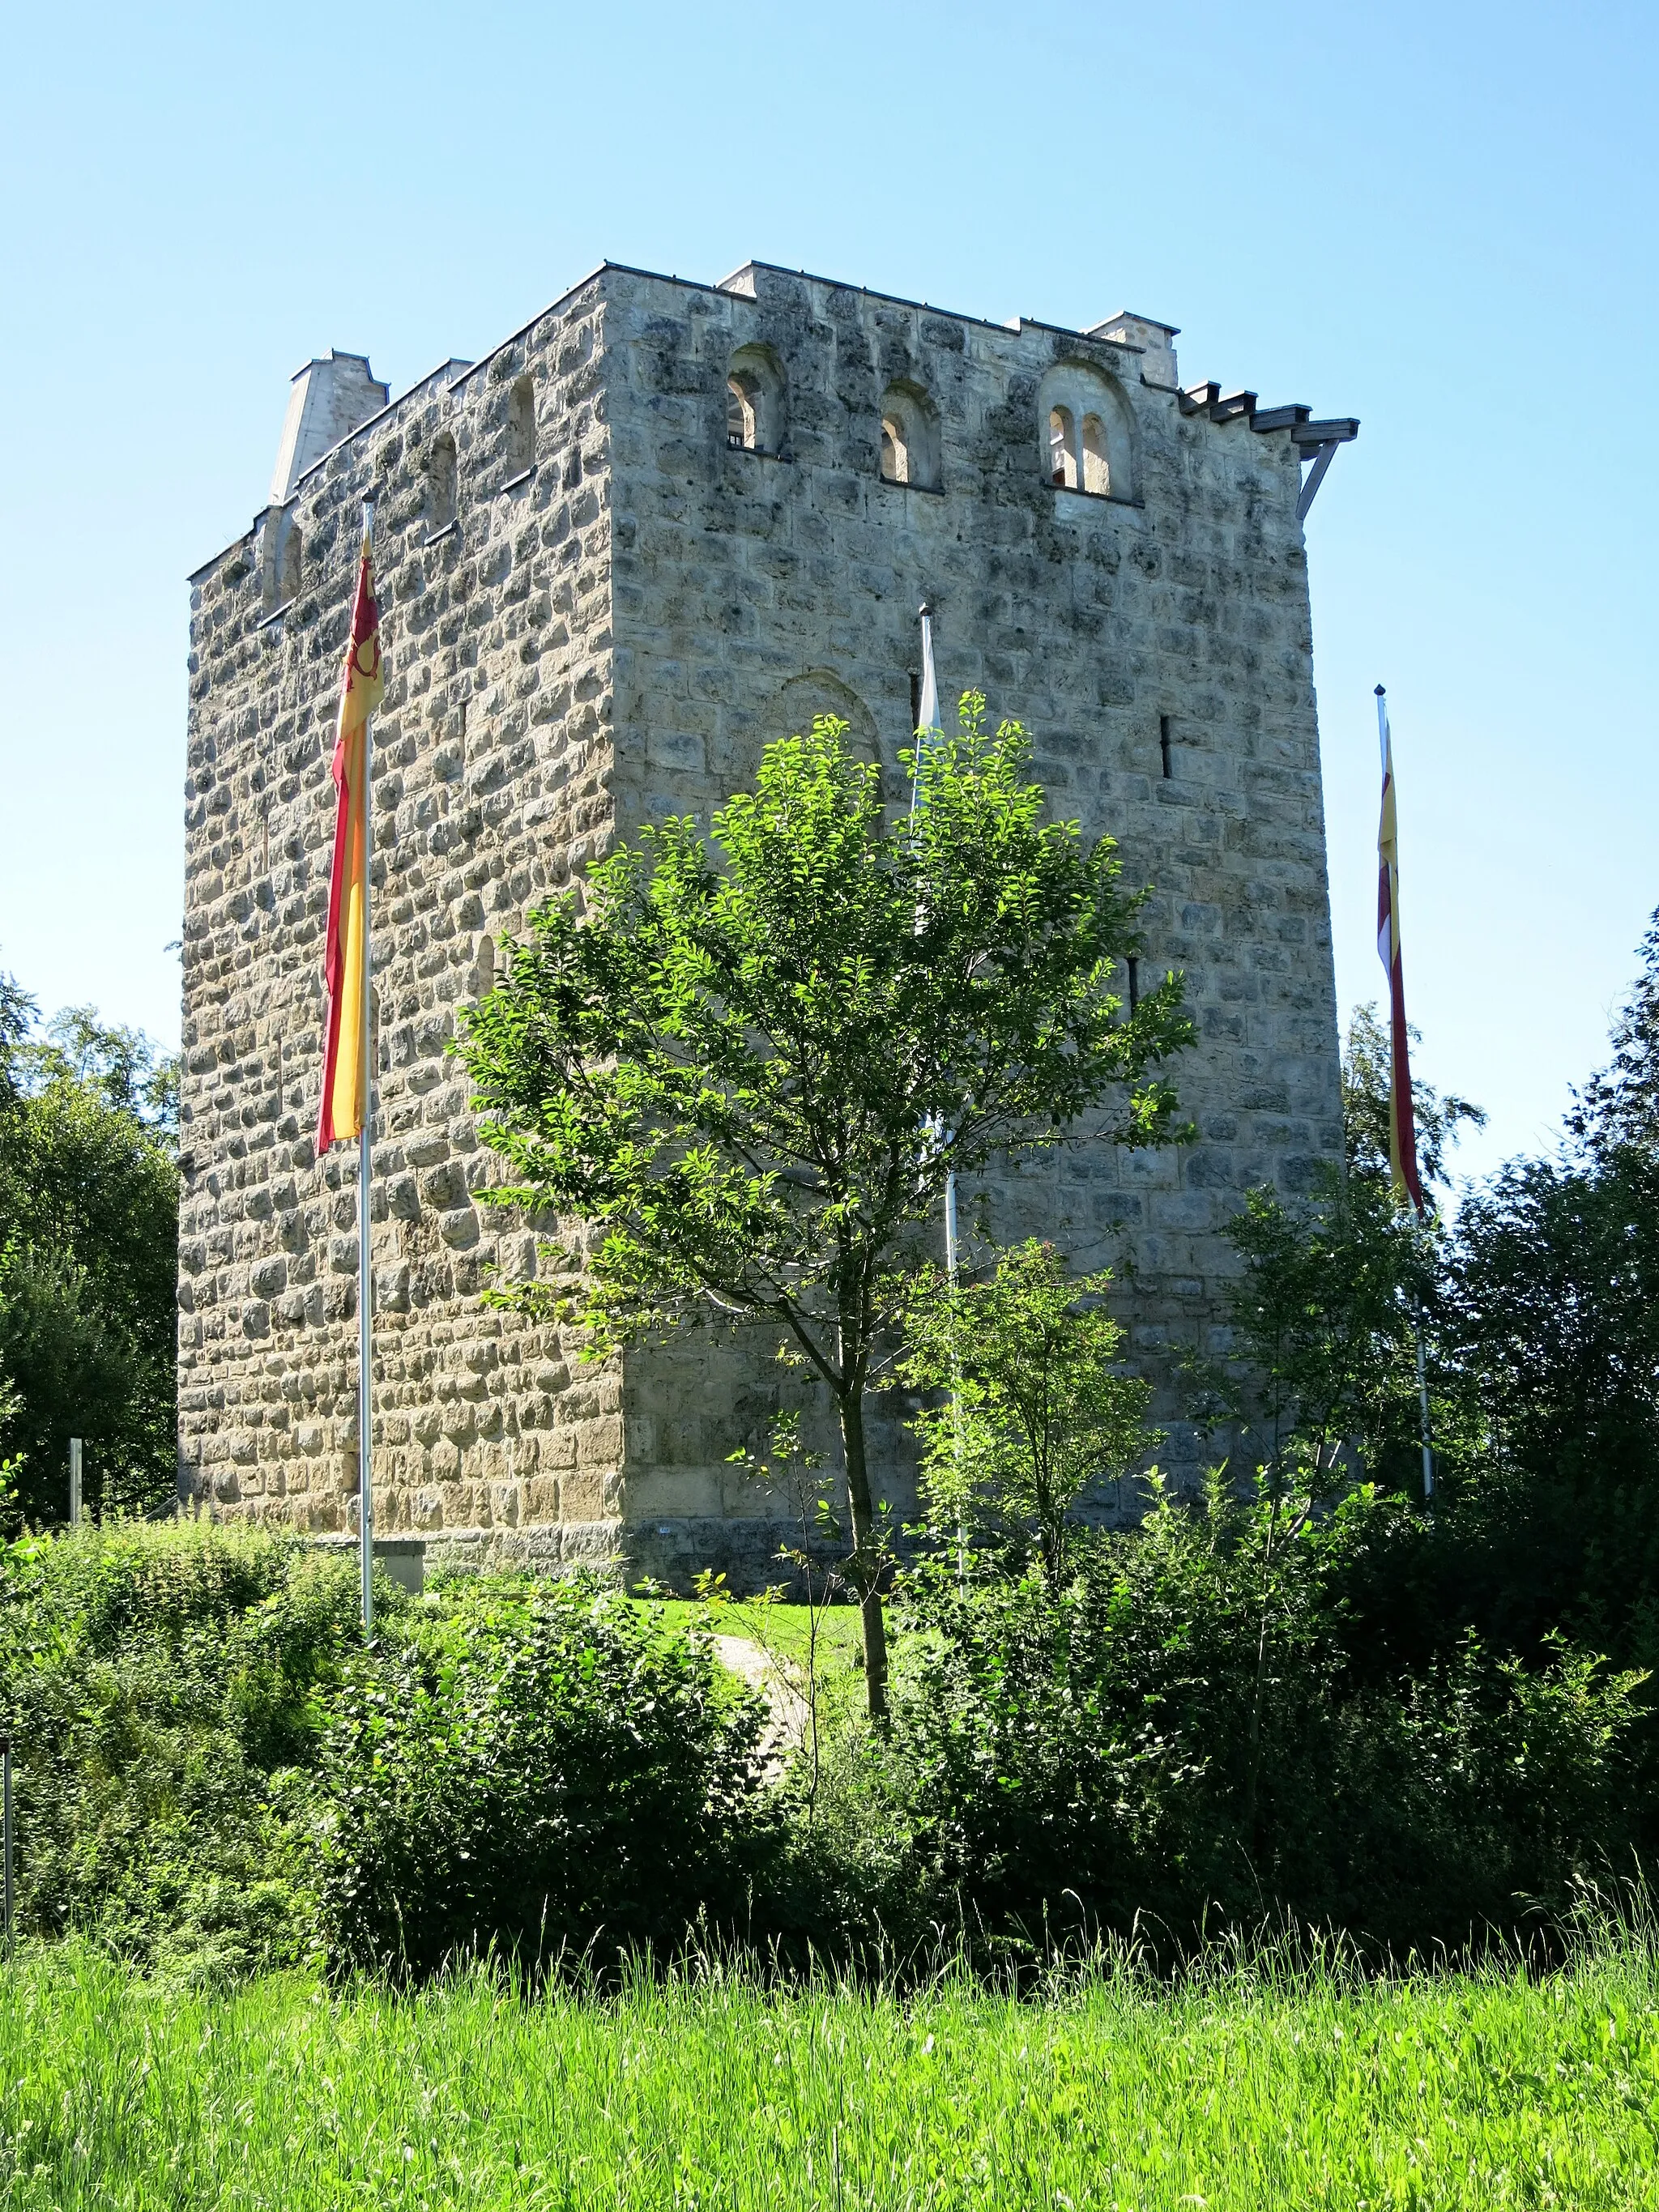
754 401
909 437
1087 433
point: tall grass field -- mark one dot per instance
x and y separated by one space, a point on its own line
1245 2086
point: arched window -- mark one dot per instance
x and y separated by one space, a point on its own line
740 413
442 475
909 437
754 401
521 427
1096 466
819 691
895 454
1062 448
1088 432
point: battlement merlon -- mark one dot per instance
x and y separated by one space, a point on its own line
329 398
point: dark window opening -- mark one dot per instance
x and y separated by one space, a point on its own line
1164 740
754 402
1134 984
915 701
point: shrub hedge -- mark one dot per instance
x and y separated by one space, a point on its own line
1199 1727
1191 1730
538 1769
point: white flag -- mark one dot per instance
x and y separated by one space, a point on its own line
927 725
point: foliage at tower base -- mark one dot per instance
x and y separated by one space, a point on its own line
1540 1317
750 1075
1195 1732
1537 1299
1548 1337
1032 1408
1282 1699
89 1257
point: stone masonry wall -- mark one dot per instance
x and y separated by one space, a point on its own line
492 760
614 636
752 590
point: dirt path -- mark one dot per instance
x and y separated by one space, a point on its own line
790 1715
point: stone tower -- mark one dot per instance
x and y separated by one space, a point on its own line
660 523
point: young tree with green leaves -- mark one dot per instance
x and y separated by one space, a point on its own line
1365 1080
1036 1407
1335 1285
750 1065
1325 1317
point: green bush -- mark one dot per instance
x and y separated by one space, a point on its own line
1182 1731
213 1777
542 1771
168 1689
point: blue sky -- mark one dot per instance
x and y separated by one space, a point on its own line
1440 219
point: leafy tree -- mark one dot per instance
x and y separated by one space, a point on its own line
1325 1316
1179 1738
1618 1108
1037 1409
751 1075
118 1065
1365 1080
1550 1325
17 1015
1336 1285
1540 1302
88 1238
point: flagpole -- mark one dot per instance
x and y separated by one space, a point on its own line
926 722
365 1273
930 722
1417 1315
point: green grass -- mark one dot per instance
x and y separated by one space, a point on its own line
784 1633
1245 2088
784 1629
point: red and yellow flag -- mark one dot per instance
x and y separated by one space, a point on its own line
1402 1119
345 1102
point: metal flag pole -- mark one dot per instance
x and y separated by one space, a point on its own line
365 1273
6 1789
1384 745
927 722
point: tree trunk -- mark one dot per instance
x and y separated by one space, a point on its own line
866 1562
1051 1536
1254 1769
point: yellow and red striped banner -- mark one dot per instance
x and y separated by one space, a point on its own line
1402 1119
344 1104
